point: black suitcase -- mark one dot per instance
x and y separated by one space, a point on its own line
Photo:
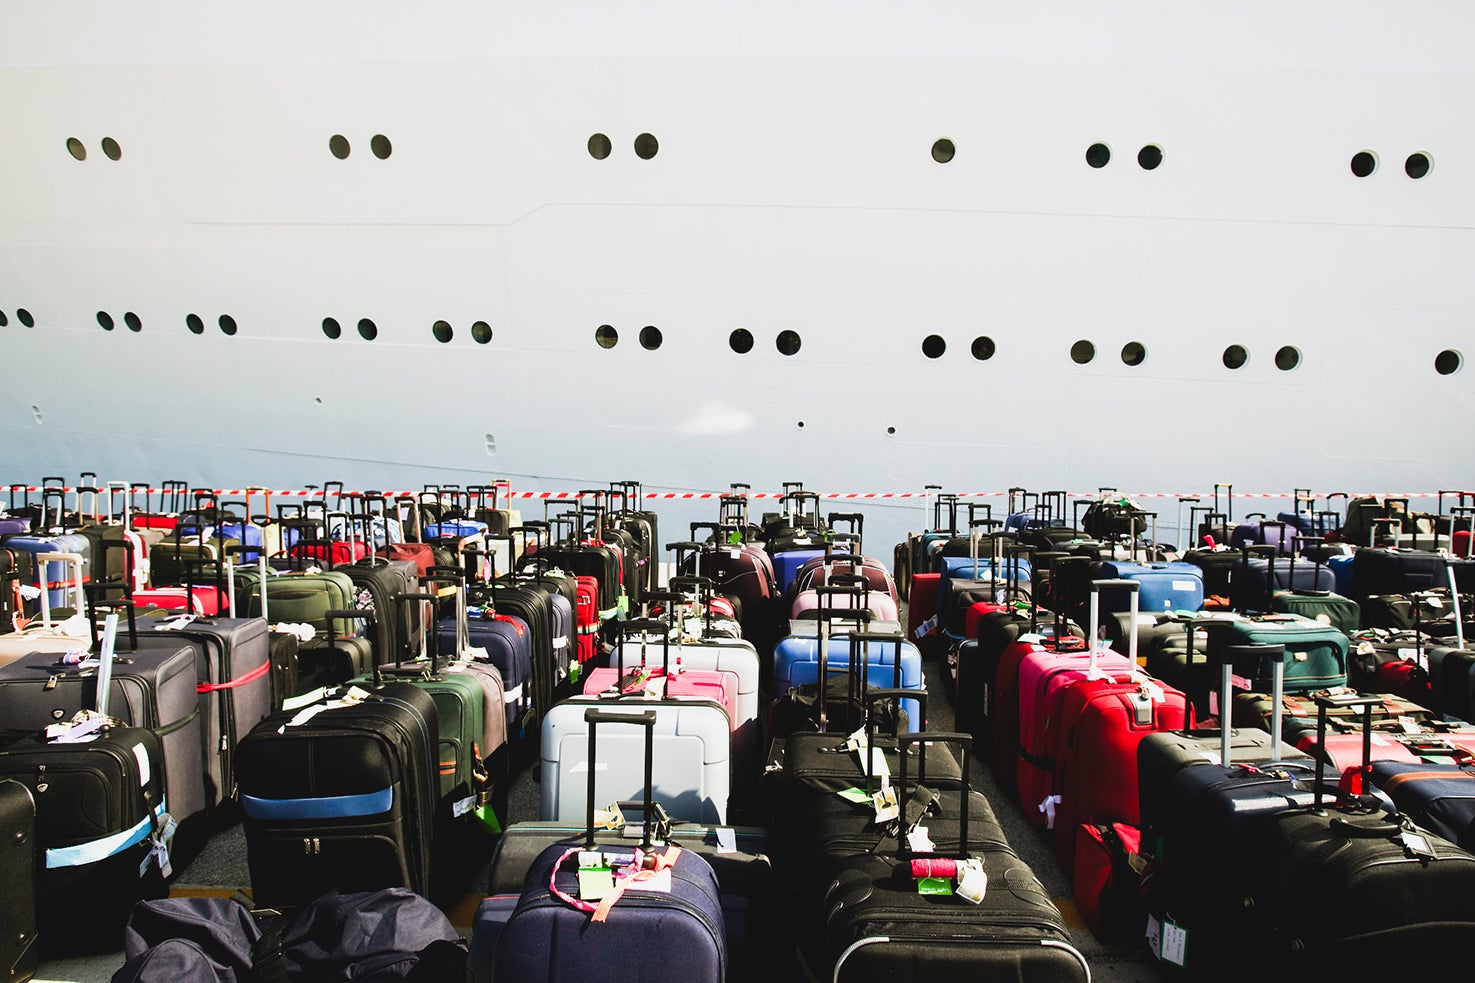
102 832
341 795
21 952
152 687
875 923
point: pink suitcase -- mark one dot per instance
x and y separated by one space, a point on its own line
717 685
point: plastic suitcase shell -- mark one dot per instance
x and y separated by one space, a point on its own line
693 765
796 663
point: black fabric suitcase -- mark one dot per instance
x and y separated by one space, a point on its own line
102 832
154 687
20 951
341 795
874 924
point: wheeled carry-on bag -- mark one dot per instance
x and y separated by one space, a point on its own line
590 913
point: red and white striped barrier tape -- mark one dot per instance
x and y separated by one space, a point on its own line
696 496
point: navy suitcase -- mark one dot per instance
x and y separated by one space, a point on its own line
548 936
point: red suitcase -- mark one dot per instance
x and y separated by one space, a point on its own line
1043 678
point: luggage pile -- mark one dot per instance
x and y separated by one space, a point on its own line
1317 685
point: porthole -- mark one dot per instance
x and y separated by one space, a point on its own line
933 346
331 328
481 332
983 348
105 319
891 431
135 324
788 343
443 332
1287 358
650 337
646 146
24 317
1098 155
381 146
1235 357
606 336
111 149
1418 165
599 146
1364 162
227 324
740 341
193 322
1149 157
76 148
1134 353
1082 352
338 146
943 150
1448 362
4 321
368 330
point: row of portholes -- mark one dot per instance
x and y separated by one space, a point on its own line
379 145
110 148
1097 155
134 323
646 146
1416 165
22 315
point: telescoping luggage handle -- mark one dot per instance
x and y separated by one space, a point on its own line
1251 654
593 717
964 743
858 676
1131 586
1335 701
352 614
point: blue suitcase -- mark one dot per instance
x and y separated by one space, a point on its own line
65 543
1173 586
786 564
549 936
509 646
796 662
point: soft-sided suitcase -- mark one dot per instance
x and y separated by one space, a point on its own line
877 925
154 686
340 795
1346 888
559 933
18 861
102 826
1316 654
1437 795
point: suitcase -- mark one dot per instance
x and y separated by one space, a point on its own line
1316 653
693 765
634 672
505 642
1437 795
1003 644
153 686
548 935
1043 678
18 860
72 634
1347 888
1095 737
38 547
1176 586
340 795
797 659
877 925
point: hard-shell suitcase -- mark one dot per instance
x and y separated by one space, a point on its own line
693 765
549 937
340 795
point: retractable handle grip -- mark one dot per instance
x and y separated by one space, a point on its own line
351 614
434 635
1097 586
964 744
1341 701
1250 655
593 717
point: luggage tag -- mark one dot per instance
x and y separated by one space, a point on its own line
934 885
887 808
919 842
972 881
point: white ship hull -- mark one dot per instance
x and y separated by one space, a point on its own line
794 189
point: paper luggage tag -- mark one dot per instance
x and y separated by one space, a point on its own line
855 795
920 842
595 883
934 885
972 881
887 808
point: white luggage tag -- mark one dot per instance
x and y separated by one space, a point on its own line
972 881
887 808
